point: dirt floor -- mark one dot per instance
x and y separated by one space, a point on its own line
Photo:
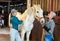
4 34
4 37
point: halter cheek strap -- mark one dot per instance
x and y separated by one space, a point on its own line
39 17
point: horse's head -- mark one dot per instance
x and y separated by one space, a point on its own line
39 13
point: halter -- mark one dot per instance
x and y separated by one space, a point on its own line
39 17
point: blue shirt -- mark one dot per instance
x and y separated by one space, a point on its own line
50 24
15 22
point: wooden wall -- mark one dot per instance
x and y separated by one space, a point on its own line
48 5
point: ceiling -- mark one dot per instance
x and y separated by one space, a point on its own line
4 3
12 0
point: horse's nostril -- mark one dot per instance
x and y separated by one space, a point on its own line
42 21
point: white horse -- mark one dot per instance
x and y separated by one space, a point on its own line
31 12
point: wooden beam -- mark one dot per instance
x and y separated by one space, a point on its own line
28 3
5 0
8 7
48 5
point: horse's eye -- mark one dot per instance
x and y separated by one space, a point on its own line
37 11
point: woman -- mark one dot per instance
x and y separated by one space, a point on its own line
50 25
14 34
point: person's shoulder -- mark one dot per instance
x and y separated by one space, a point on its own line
13 17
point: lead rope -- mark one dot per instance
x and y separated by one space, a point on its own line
43 33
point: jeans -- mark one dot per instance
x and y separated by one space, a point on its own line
14 34
48 37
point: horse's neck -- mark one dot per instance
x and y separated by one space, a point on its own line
30 19
27 18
